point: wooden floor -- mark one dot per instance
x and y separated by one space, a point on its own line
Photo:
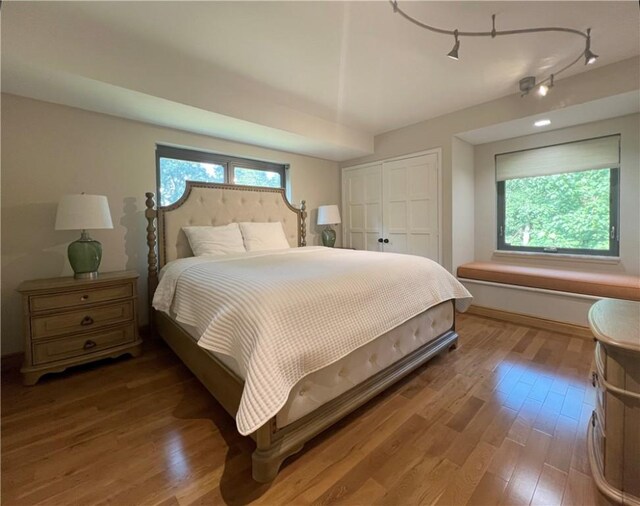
500 420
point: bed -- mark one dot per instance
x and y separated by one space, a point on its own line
320 393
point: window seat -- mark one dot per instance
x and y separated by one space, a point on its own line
615 286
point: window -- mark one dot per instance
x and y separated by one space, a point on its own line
176 166
560 199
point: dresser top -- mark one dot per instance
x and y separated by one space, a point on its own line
616 323
70 282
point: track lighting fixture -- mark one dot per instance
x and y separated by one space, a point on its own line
453 54
589 56
543 88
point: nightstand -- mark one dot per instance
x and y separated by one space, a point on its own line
71 321
613 440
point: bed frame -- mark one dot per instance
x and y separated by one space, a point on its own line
228 203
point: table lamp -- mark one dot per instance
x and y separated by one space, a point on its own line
84 212
328 215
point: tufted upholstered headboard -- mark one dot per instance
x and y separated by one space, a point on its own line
215 204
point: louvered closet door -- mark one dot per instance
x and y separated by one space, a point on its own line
410 206
362 207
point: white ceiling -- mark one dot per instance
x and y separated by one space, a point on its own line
314 77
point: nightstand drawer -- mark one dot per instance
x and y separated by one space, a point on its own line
60 349
80 298
82 320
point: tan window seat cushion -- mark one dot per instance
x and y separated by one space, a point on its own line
615 286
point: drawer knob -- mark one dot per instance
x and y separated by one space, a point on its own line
594 378
84 297
89 344
87 320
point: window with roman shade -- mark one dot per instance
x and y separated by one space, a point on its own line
561 198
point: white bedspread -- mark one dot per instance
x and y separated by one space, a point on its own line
285 314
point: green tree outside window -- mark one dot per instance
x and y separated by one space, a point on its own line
175 173
569 210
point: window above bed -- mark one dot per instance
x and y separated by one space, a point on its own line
176 166
560 199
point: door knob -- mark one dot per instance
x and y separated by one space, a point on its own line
386 241
380 240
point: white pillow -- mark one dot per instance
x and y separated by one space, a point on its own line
215 240
263 236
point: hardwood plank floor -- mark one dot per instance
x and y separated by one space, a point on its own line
500 420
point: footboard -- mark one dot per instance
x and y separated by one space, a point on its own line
274 445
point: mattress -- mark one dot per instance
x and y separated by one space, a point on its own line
327 383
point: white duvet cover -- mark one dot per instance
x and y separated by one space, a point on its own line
285 314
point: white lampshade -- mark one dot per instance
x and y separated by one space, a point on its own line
83 212
328 215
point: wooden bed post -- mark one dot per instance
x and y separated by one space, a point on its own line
269 453
303 224
152 258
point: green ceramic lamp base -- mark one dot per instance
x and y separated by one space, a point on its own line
85 255
328 237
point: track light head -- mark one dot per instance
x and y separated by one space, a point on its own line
543 89
589 56
453 54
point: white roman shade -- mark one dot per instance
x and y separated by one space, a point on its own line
601 153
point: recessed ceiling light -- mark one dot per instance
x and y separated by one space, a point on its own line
542 122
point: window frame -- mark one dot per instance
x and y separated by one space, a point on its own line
614 222
228 162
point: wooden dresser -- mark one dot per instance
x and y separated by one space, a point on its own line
614 432
71 321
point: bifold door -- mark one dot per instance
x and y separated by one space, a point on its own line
362 207
410 206
393 206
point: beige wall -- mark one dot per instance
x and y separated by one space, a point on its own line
485 201
462 221
49 150
605 81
